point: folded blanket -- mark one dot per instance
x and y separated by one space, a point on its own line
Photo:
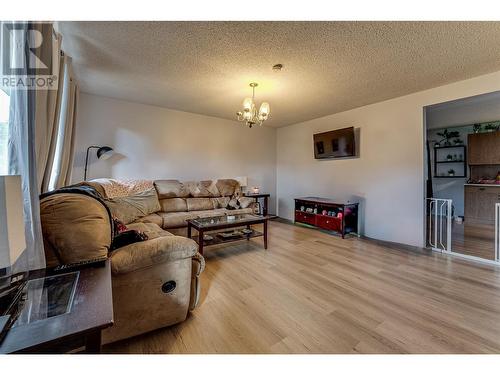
123 188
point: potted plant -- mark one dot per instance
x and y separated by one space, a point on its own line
458 142
449 157
447 137
476 128
451 172
491 127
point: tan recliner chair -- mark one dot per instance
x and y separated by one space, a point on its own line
155 283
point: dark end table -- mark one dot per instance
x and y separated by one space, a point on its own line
265 197
63 312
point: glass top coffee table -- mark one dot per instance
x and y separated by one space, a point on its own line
226 228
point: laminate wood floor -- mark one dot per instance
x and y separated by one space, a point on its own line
474 239
312 292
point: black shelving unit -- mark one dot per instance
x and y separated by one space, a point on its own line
463 162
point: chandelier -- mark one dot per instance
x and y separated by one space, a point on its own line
250 115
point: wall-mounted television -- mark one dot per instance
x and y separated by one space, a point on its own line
338 143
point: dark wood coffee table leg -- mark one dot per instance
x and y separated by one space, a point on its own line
265 234
248 236
200 241
264 209
93 342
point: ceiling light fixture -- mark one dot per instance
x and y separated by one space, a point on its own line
277 67
249 114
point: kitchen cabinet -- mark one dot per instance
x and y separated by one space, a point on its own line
484 148
480 203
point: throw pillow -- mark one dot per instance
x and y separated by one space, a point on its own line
118 227
233 204
245 201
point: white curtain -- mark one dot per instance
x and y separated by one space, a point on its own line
48 105
21 148
62 157
41 123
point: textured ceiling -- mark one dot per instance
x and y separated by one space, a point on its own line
329 67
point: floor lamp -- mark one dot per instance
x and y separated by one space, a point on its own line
103 152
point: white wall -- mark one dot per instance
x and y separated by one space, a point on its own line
388 177
483 108
153 142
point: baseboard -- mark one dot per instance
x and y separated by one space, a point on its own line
398 245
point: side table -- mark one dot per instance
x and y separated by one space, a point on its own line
265 197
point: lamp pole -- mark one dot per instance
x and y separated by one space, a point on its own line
87 162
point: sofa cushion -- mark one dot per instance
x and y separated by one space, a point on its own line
227 187
202 188
131 208
210 213
76 226
173 205
152 230
145 254
198 204
240 211
151 218
176 219
221 202
170 189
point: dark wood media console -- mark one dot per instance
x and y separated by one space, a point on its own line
327 214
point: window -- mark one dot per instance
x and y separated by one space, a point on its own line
4 131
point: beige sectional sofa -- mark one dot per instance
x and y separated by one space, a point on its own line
181 201
77 227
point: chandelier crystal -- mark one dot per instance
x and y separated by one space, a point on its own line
250 115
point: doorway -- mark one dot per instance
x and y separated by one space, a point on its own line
462 161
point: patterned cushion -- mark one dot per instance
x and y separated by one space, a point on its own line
201 189
245 201
227 187
122 188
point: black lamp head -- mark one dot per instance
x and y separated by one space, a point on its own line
104 152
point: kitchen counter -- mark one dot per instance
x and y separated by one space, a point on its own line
480 201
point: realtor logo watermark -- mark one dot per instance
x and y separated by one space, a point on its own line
26 58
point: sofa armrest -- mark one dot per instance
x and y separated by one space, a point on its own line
198 265
157 250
